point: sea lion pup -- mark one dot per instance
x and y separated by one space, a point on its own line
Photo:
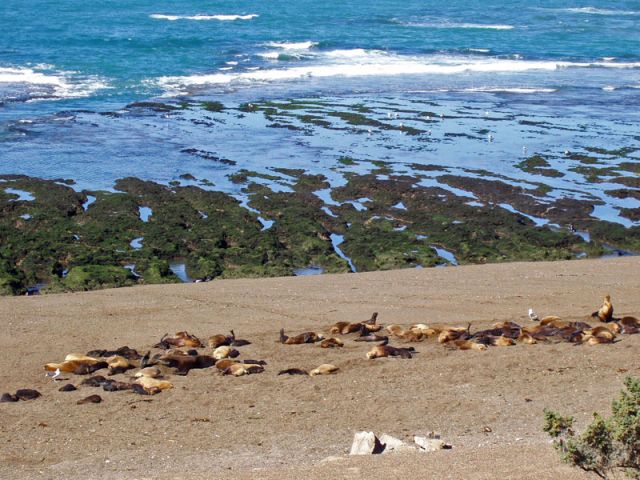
126 352
180 339
150 386
331 343
385 350
153 372
324 369
225 351
293 371
118 364
239 369
184 363
306 337
464 345
605 313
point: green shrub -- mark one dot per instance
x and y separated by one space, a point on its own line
608 444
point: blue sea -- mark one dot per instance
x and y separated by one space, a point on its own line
505 80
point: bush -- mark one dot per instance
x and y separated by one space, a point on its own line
608 444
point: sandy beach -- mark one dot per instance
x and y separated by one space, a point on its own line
487 405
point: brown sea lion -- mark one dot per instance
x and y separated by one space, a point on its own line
95 381
27 394
331 343
343 328
293 371
126 352
324 369
184 363
115 386
90 399
219 340
8 398
238 342
67 388
180 339
367 336
306 337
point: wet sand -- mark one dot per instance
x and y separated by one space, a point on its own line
269 426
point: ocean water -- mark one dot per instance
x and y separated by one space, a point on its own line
505 78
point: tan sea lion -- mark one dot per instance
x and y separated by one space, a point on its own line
395 330
153 372
219 340
425 330
180 339
324 369
331 343
453 333
344 328
605 313
526 338
225 363
384 350
151 386
77 363
225 351
118 364
239 369
464 345
554 321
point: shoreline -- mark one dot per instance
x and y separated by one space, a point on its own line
146 232
233 426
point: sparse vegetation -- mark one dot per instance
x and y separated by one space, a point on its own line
608 445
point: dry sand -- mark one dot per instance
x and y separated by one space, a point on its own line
269 426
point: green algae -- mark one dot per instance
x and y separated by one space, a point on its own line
538 165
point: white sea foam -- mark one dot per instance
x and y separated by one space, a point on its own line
454 25
363 63
511 90
200 17
599 11
292 45
44 82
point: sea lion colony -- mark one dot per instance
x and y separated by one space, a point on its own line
149 374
